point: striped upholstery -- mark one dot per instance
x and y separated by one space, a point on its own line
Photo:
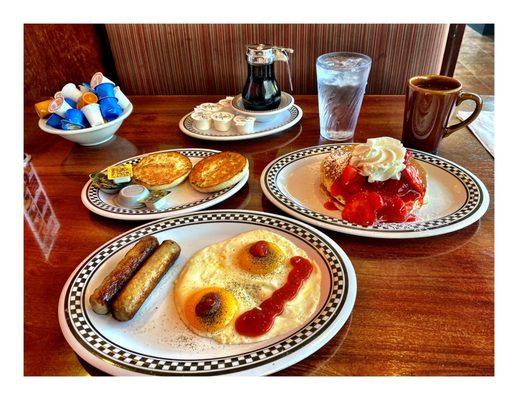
209 59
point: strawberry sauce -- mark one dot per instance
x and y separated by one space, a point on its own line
369 202
259 320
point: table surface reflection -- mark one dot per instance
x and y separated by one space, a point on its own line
424 306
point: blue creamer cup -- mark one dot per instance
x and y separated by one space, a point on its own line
69 126
75 117
71 102
105 90
110 108
54 121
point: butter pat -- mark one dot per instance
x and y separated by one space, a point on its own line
120 173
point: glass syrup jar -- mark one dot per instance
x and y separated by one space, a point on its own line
262 91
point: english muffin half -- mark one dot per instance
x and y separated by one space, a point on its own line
218 172
162 171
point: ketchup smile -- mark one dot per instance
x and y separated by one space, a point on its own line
259 320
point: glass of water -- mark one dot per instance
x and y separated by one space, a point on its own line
341 78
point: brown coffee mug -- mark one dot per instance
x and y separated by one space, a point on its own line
429 103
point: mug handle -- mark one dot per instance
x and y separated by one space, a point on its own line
478 107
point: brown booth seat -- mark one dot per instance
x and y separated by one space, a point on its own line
209 59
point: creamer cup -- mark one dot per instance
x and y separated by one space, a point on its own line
132 196
71 102
210 107
244 124
87 98
71 91
222 120
54 121
226 104
75 117
59 106
110 108
42 108
202 120
93 114
121 97
105 90
99 78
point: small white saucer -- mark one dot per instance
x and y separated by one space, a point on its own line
261 116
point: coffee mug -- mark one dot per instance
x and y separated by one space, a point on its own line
428 106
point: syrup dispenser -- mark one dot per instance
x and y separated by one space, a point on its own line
261 91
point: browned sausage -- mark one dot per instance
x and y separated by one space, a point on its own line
133 295
122 273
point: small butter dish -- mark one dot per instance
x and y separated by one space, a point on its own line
120 173
244 124
158 200
210 107
222 120
202 120
132 196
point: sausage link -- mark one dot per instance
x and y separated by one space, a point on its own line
133 295
101 298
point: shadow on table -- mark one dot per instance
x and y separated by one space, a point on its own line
90 369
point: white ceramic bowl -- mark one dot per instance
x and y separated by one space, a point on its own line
262 116
89 136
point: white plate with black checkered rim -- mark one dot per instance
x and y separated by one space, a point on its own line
187 199
456 198
156 342
276 124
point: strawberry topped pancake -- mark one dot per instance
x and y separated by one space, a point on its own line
378 181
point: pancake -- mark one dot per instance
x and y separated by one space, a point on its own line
162 171
333 165
218 172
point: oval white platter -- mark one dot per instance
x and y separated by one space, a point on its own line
273 125
156 342
456 198
186 198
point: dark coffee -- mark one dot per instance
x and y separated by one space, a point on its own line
429 102
261 91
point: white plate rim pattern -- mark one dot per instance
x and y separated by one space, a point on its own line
107 356
474 208
92 201
184 124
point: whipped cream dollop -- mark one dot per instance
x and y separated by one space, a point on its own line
379 159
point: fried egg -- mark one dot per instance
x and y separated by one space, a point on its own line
226 279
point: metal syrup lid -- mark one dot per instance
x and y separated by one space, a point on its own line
266 53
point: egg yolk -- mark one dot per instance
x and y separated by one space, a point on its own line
261 257
210 309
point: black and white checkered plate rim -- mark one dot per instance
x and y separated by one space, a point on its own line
294 111
476 203
93 194
309 338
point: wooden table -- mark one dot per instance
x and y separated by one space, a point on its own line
424 306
